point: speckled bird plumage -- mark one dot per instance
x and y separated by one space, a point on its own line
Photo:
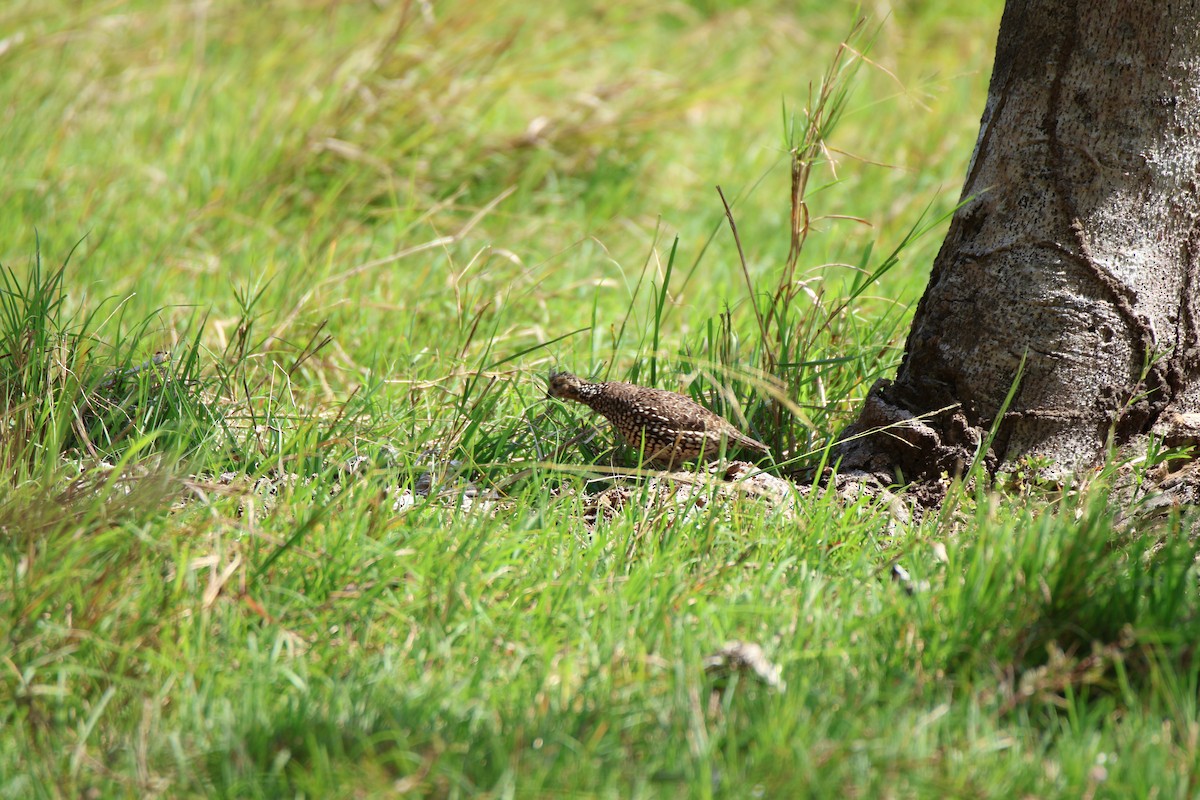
667 427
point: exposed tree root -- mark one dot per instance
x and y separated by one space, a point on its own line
887 437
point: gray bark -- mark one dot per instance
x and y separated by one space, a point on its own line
1076 248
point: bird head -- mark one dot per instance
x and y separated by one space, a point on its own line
563 385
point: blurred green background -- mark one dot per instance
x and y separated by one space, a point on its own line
197 148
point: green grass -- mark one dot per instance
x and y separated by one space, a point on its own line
372 229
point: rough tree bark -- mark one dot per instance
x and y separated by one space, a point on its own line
1076 247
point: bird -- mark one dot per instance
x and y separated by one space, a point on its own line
666 427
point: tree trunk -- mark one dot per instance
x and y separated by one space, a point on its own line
1075 248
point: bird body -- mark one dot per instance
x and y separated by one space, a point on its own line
667 427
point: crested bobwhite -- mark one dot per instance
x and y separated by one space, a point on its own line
667 427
